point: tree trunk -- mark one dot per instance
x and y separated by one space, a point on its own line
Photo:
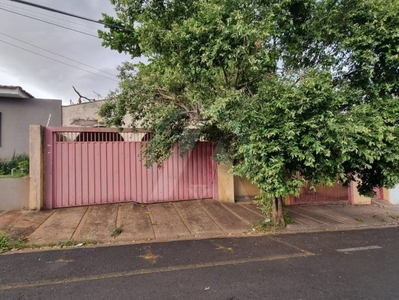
274 211
277 212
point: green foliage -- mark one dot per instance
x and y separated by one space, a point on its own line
265 204
23 167
288 90
4 242
287 218
8 165
117 231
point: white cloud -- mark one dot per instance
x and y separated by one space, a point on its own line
45 78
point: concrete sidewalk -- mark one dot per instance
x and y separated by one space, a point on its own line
336 217
181 220
139 223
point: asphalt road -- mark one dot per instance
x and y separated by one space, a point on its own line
362 264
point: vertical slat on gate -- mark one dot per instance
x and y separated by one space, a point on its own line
213 176
202 169
97 172
104 173
196 187
150 185
110 173
85 178
128 172
72 174
189 168
180 176
173 178
144 181
78 175
64 174
184 175
166 181
200 191
122 173
139 185
57 175
115 166
92 170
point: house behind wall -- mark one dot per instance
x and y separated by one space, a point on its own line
16 116
85 115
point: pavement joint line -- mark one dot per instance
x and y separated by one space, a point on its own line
41 224
148 213
16 220
78 227
331 215
237 215
212 218
313 219
245 206
327 215
360 248
150 271
183 219
292 246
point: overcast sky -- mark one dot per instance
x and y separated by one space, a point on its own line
42 77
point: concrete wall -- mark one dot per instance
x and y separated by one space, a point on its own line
232 188
357 198
225 184
244 189
85 115
394 195
36 167
14 193
81 115
16 116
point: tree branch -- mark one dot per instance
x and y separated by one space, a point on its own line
82 97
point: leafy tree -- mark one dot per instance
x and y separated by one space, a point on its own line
290 90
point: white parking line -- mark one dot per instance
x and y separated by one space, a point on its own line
359 249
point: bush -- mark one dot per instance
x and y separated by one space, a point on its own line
4 242
18 162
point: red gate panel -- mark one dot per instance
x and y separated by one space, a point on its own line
322 194
98 166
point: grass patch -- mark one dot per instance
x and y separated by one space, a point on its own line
6 244
263 225
14 175
287 218
117 231
360 219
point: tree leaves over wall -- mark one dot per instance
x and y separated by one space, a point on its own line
283 87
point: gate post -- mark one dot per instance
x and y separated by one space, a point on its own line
225 182
36 167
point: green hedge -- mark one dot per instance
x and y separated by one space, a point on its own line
18 162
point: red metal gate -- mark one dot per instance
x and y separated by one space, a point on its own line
322 194
97 166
